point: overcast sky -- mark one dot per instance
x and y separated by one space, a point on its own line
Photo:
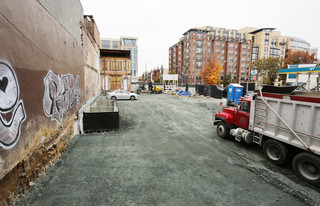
159 24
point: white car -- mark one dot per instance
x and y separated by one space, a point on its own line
121 94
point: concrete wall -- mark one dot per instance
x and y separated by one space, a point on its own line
41 75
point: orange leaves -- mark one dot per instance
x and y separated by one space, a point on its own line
300 57
210 71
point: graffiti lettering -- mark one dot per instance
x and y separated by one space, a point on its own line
10 103
60 94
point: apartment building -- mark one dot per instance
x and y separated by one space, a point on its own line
230 47
124 43
234 48
297 44
266 42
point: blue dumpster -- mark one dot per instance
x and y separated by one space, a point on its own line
235 92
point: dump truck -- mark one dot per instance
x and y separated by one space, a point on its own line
287 127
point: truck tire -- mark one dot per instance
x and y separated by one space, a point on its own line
307 167
276 152
222 130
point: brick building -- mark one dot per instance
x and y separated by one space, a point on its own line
115 69
187 57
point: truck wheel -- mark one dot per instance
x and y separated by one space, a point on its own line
276 152
307 167
222 130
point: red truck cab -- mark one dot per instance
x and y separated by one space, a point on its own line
233 117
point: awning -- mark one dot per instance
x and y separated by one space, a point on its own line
299 70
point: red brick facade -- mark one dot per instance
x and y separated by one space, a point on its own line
187 57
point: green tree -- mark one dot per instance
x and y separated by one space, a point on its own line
226 80
267 68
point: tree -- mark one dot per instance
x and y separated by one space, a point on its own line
156 78
210 71
267 68
299 57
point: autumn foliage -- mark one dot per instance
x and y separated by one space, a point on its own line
300 57
210 71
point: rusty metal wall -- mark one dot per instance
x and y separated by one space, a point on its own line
41 73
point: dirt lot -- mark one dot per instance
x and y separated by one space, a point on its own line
167 152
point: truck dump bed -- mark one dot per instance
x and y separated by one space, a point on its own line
300 124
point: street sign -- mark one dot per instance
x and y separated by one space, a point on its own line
254 72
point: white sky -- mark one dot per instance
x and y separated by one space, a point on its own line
159 24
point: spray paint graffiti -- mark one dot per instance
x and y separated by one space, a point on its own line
61 93
10 103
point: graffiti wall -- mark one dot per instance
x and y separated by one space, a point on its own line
61 93
41 75
10 103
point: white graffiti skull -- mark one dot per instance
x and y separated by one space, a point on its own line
9 91
9 102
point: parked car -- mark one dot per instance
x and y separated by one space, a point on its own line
121 94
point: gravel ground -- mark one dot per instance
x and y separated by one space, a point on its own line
167 152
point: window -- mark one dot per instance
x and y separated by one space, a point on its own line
231 52
245 106
231 46
218 44
222 52
255 50
115 44
105 44
265 55
244 47
199 36
230 59
199 50
265 49
199 43
243 60
254 56
129 42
